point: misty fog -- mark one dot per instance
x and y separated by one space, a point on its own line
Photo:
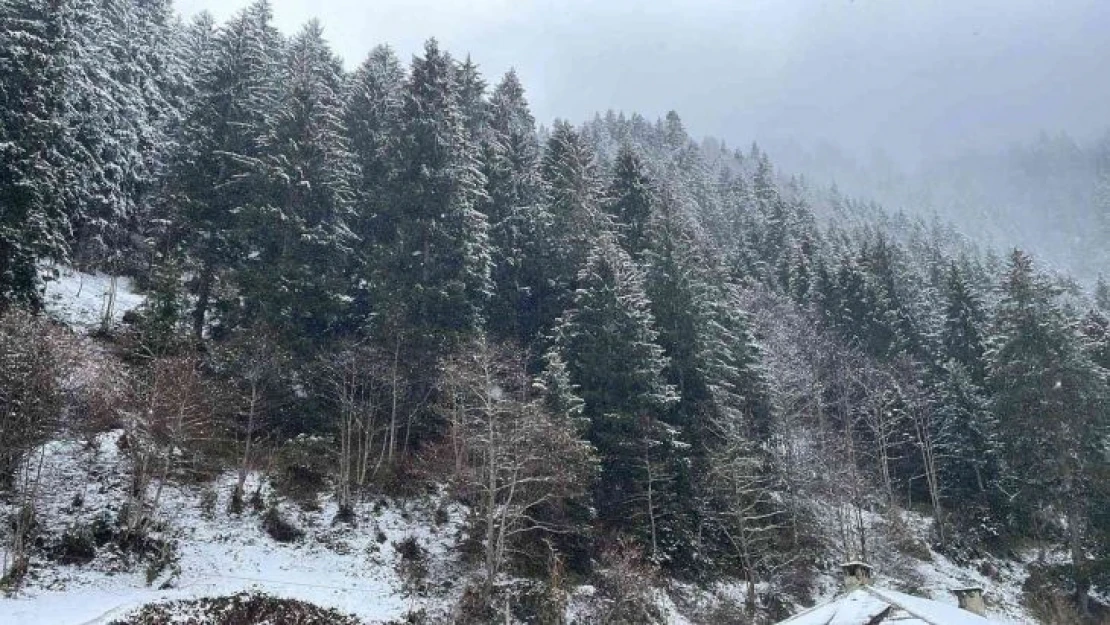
913 78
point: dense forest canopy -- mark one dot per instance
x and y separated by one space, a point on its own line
605 335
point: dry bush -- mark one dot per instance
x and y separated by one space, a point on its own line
1049 594
241 609
168 412
31 395
279 528
626 585
34 358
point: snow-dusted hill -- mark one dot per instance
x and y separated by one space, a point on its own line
366 569
355 569
358 570
84 300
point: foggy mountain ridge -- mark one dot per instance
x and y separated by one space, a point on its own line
1050 194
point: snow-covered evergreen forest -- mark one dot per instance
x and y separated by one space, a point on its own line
614 355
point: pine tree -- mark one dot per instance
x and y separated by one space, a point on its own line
574 199
630 201
964 321
295 275
472 100
1102 294
891 330
125 91
207 186
101 115
440 264
608 341
372 115
971 436
1048 397
33 224
520 225
1095 328
962 407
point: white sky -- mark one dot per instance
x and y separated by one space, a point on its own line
907 76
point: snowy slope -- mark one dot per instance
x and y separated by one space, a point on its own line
354 570
926 573
81 300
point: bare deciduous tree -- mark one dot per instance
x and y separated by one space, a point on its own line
751 515
254 362
169 409
33 363
360 383
514 455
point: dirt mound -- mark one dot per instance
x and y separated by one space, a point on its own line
240 609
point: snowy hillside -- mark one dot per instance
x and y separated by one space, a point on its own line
84 300
391 348
355 569
397 559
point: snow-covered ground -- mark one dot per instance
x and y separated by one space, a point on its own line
81 300
352 569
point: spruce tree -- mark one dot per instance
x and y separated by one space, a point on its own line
608 342
964 321
961 401
296 268
630 201
1048 397
33 223
373 118
574 199
713 365
440 264
208 183
125 91
1102 294
472 100
521 237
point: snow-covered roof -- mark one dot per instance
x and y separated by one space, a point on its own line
868 605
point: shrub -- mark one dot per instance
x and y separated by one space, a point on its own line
345 515
540 603
235 503
412 566
625 584
442 516
208 501
1048 593
76 546
256 502
472 609
279 528
31 363
302 469
241 609
726 611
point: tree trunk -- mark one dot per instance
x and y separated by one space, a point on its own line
1075 546
204 295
